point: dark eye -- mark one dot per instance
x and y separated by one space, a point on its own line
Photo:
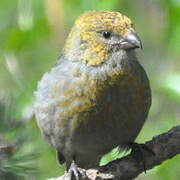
106 34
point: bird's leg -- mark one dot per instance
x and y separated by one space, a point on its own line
73 171
76 173
137 151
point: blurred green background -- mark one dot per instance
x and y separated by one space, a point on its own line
32 33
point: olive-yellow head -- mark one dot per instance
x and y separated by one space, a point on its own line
96 34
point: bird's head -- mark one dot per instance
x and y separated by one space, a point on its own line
97 34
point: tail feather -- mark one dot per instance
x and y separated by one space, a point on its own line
61 159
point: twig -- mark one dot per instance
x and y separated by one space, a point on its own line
165 146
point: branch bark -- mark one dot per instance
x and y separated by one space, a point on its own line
165 146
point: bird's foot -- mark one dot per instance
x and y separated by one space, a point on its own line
138 151
76 173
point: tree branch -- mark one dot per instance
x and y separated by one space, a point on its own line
165 146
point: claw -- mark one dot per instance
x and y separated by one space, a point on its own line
137 151
76 173
145 147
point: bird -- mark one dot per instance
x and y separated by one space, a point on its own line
97 95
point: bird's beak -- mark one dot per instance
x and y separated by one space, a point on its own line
131 41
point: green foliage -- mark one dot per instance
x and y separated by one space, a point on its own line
16 161
32 34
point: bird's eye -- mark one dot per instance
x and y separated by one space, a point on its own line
106 34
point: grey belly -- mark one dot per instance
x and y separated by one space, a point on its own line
116 120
